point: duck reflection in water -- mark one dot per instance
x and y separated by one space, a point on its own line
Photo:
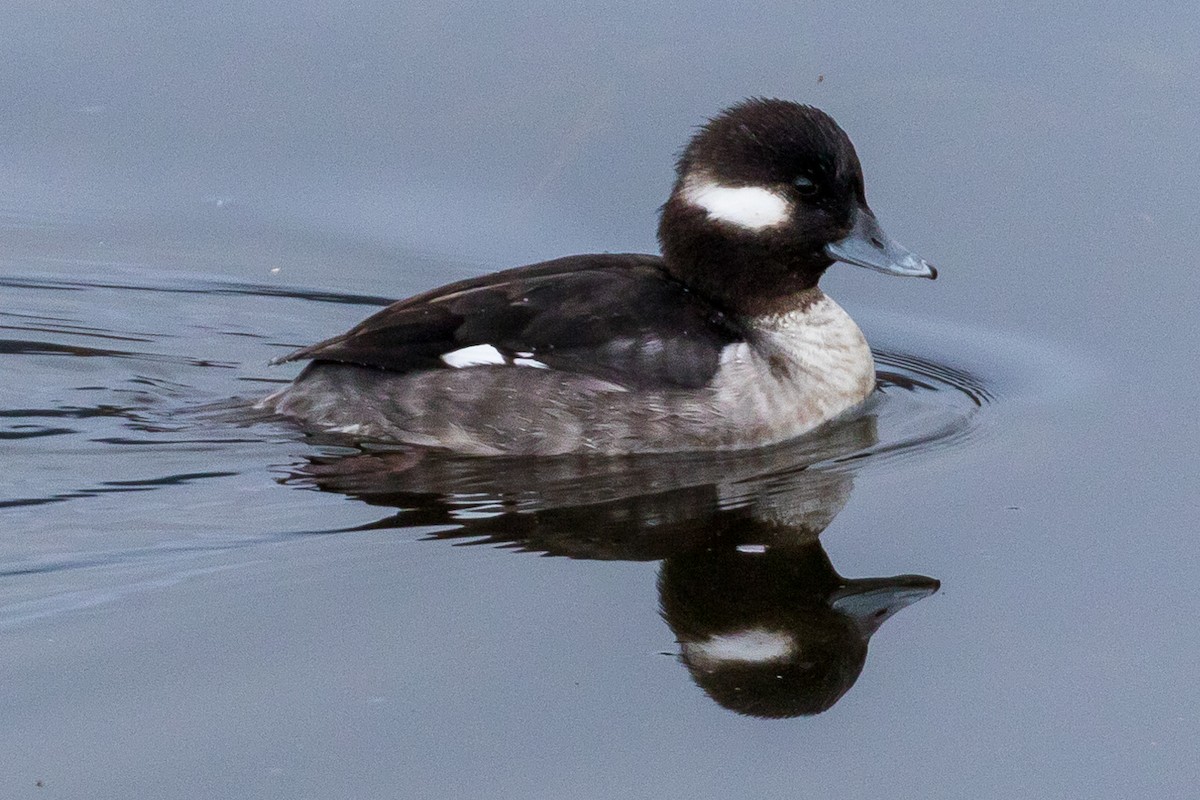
771 630
765 625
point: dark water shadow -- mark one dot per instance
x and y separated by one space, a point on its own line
764 623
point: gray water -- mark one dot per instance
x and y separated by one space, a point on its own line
197 603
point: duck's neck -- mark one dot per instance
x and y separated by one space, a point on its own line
749 274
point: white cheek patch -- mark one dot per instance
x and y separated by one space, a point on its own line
754 208
753 646
477 355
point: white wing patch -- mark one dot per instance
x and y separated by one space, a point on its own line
477 355
486 355
754 208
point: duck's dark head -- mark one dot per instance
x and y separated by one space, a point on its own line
768 195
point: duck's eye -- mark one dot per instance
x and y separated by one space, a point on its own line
805 186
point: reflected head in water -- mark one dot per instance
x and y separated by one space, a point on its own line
771 630
765 625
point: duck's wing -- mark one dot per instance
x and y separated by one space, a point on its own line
617 317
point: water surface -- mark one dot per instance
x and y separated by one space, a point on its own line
980 585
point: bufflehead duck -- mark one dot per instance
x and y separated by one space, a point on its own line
724 342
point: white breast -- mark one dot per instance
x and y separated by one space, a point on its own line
800 370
